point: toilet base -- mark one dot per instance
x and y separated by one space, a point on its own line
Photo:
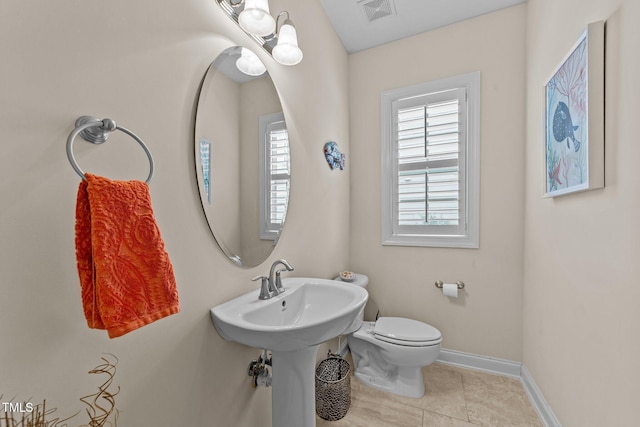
407 382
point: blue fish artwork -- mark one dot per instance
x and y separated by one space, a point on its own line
563 127
567 124
334 157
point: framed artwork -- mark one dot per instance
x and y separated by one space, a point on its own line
574 118
205 164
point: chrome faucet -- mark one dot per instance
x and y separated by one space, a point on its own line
270 287
276 285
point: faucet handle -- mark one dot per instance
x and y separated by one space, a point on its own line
265 293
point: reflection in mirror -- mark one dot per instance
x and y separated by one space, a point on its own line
242 156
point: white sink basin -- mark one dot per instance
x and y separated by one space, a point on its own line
292 325
309 312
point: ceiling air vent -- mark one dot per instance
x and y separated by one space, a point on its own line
376 9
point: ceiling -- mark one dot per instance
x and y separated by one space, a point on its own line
362 24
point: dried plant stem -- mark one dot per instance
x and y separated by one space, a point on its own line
102 405
99 414
36 418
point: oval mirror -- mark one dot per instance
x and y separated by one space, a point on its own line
242 156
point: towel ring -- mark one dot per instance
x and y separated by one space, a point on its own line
97 131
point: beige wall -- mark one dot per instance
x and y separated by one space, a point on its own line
581 340
486 319
141 63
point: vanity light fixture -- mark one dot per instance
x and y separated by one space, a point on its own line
287 51
249 63
279 40
256 19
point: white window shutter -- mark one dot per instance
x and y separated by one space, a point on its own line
275 175
429 195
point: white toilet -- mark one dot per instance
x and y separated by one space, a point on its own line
389 353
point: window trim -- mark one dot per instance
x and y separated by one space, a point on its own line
470 239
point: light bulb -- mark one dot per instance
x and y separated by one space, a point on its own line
287 52
250 64
255 18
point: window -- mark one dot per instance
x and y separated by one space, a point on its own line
430 163
275 175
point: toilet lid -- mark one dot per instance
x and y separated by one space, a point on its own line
406 331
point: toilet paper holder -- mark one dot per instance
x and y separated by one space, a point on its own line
439 284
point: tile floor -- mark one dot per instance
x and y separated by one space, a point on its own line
454 397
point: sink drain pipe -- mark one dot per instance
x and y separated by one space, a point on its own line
260 370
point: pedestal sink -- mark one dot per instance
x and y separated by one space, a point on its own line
292 325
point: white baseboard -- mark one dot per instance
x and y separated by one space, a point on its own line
537 400
506 368
486 364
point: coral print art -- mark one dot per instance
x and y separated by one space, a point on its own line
567 124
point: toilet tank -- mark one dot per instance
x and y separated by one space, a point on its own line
362 281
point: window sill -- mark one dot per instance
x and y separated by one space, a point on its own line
432 241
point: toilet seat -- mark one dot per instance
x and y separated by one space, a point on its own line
406 332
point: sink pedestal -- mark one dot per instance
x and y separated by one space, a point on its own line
293 388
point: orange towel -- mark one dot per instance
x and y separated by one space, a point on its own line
125 273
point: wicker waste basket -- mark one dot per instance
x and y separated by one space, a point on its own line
333 388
